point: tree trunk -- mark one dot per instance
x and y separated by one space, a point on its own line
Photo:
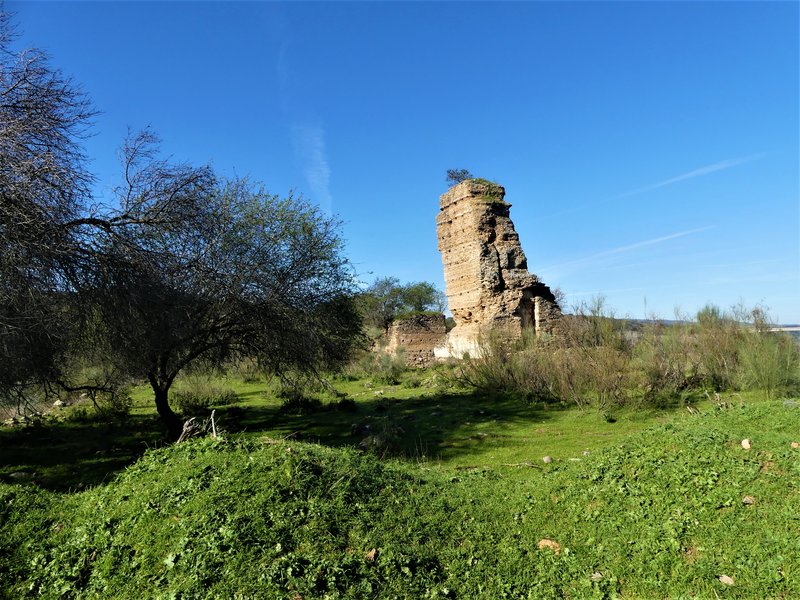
168 417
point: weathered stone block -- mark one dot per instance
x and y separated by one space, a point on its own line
417 335
485 270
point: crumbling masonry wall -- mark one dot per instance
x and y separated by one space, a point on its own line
417 335
487 282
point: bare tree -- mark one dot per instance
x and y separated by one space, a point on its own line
44 187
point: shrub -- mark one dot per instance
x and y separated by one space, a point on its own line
587 360
196 395
594 358
386 439
108 405
665 361
389 368
114 405
768 361
412 380
81 414
718 337
295 402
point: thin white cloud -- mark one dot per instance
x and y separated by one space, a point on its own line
600 256
309 148
651 242
718 166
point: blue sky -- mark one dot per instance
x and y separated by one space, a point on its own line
650 150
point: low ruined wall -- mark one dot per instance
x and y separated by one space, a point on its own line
417 335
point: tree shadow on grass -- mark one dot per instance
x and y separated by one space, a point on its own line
424 427
69 456
64 456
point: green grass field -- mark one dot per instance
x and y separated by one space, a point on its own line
453 501
433 423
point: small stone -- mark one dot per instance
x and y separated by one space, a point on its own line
795 445
746 444
726 580
585 453
596 576
58 404
547 459
549 544
748 500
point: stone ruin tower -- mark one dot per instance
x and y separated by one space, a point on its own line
487 282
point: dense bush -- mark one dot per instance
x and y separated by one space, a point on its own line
114 405
594 359
768 361
247 369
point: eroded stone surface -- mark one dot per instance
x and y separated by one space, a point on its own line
485 270
417 335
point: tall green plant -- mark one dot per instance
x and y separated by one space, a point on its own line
718 336
665 361
768 362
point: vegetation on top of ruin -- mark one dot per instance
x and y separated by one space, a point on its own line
491 192
456 176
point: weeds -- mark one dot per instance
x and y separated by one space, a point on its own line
196 395
594 359
768 362
112 405
295 402
380 366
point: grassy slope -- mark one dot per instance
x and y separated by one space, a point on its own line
657 515
437 425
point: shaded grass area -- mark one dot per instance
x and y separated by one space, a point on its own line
442 427
64 456
658 514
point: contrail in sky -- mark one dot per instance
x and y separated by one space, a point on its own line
719 166
623 249
309 147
